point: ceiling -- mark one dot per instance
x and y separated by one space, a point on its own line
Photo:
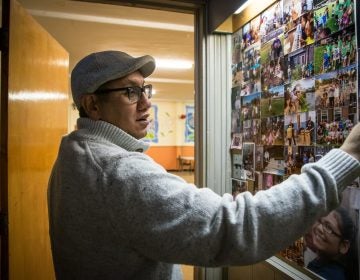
84 27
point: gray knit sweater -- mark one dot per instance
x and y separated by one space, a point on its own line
116 214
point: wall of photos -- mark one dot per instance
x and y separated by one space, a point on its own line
294 92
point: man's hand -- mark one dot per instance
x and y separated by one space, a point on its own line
351 144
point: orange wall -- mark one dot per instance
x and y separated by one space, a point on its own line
167 155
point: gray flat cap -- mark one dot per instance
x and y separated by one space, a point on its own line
100 67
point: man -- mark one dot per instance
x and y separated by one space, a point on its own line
116 214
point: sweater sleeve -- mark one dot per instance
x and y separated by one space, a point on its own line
166 219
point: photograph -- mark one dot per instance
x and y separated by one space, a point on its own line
250 108
341 244
251 70
237 74
334 125
299 96
259 157
251 32
251 131
272 131
300 129
273 49
332 17
274 160
296 157
336 89
301 34
271 19
270 179
292 9
235 98
274 73
272 102
236 142
335 52
238 171
238 186
249 160
236 46
301 63
235 121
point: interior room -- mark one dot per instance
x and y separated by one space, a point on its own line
246 96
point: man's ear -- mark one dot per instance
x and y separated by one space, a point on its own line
90 104
344 247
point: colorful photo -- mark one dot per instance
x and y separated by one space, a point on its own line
250 108
273 49
300 129
272 131
272 102
334 52
299 96
301 34
251 70
334 125
271 19
274 74
274 160
301 63
332 17
336 89
251 131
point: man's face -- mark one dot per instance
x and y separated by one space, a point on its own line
133 118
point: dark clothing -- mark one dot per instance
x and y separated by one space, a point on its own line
327 270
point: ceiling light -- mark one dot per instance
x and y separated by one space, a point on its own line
173 64
112 20
243 6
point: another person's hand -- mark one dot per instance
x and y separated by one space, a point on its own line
351 144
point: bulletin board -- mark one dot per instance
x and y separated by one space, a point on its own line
294 93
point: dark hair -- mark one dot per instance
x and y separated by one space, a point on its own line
348 232
346 224
82 112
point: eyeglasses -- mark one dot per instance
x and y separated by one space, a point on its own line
327 228
134 93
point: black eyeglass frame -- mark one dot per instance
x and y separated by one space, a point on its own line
327 228
147 89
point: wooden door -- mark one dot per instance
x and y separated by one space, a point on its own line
36 118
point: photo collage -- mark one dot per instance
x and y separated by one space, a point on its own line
294 90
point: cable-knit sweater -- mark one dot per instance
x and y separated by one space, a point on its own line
116 214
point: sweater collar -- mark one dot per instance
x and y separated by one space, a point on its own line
107 131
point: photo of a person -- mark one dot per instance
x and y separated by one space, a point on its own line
331 238
334 16
272 131
272 102
271 19
236 142
336 51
